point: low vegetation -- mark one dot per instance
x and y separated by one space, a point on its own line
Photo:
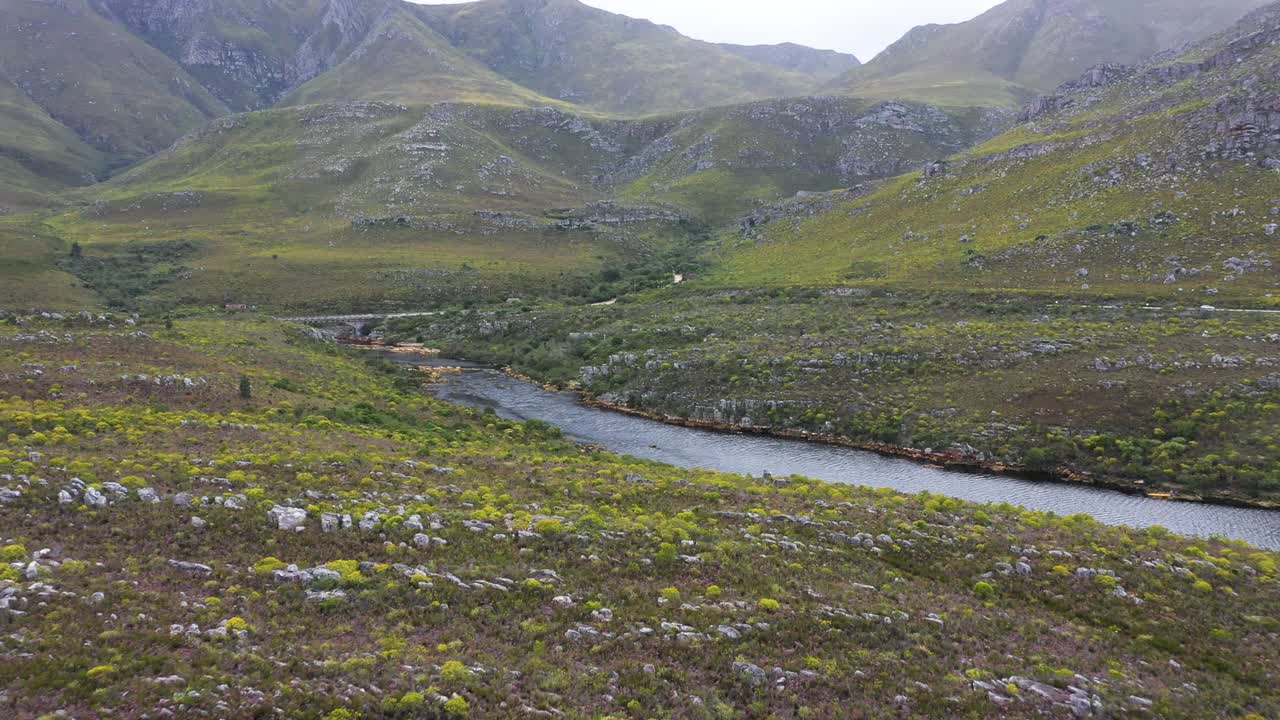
339 545
1157 399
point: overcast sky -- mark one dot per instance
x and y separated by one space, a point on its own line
862 27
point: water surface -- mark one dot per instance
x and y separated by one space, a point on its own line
753 454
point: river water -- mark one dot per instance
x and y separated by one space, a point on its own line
753 454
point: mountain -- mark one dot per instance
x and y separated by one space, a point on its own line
1156 179
38 155
595 59
820 64
249 53
303 206
1024 47
117 94
402 59
1089 296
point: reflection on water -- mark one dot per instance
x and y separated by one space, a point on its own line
752 454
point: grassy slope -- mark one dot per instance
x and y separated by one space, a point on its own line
38 156
269 197
402 59
566 50
325 432
1025 47
30 276
1034 222
121 96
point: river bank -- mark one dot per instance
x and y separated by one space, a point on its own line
944 461
951 462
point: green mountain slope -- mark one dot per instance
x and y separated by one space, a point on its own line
1155 180
1024 47
568 51
819 64
119 95
38 155
401 59
307 205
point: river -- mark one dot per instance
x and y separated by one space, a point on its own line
754 454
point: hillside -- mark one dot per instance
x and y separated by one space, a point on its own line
249 53
1026 47
118 95
1153 180
571 52
818 64
322 539
378 204
38 155
1091 295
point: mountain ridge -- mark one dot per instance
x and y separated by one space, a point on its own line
1021 48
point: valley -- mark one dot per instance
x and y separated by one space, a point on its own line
940 382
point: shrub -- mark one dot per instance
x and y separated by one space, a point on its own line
454 672
1202 586
769 605
13 553
412 700
984 589
268 565
714 591
457 706
237 624
670 594
99 671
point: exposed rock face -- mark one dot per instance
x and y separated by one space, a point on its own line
278 48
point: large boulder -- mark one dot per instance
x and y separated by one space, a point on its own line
286 518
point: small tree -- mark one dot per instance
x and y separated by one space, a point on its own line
76 251
246 387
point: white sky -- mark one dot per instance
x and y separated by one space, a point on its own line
862 27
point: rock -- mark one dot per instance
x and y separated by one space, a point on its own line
330 522
1080 706
65 498
728 631
603 615
197 522
194 568
147 495
32 571
94 498
753 675
422 540
182 499
286 518
563 601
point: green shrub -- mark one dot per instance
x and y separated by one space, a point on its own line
457 706
454 672
13 553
